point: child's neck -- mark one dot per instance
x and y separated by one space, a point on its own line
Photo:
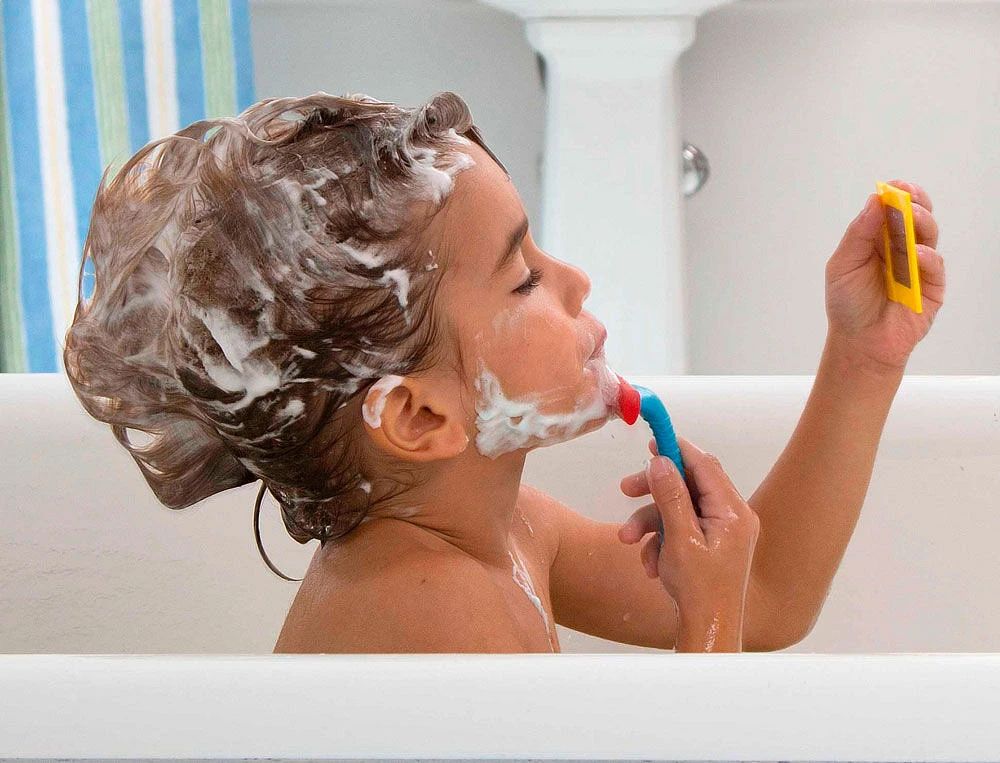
468 501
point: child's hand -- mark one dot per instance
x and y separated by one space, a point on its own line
873 329
704 562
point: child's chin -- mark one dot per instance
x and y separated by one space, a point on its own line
591 426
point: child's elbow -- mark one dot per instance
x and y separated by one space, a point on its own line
770 643
784 637
779 634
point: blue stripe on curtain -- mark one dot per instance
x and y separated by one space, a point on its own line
240 17
19 63
81 113
133 54
190 77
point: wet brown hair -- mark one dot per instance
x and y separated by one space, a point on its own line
253 277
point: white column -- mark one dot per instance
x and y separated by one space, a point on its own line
611 196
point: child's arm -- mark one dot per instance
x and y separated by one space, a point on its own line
597 584
810 501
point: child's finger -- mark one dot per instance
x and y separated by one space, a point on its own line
932 277
650 556
863 233
672 499
643 521
917 194
635 485
925 227
710 487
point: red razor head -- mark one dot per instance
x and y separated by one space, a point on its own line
629 401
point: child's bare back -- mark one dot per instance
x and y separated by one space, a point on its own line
391 586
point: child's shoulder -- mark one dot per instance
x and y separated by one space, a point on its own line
543 516
392 588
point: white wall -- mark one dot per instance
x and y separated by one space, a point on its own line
800 106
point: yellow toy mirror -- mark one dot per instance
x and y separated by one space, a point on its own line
902 274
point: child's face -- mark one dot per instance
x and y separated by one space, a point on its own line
532 357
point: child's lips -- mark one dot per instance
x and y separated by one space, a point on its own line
599 341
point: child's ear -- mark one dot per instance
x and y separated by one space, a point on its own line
414 419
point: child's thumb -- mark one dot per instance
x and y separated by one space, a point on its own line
672 498
861 239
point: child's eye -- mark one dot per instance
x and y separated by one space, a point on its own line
534 277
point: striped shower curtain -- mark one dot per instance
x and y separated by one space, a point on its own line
83 85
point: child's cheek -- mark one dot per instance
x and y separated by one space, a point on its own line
505 319
532 351
510 324
503 339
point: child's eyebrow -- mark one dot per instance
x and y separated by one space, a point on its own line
513 241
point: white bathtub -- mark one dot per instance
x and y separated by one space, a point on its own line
91 564
573 706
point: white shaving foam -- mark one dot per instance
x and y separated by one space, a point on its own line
507 425
607 380
375 400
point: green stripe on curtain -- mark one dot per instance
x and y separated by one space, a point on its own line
12 354
109 83
217 59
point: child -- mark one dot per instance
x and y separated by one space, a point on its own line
342 298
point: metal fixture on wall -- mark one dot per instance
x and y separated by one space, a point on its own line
695 172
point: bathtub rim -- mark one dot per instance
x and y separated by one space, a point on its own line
904 706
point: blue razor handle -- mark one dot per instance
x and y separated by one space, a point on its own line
652 410
655 414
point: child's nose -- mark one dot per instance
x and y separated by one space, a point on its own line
579 288
575 285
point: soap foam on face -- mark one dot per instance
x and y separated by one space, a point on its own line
607 380
506 425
